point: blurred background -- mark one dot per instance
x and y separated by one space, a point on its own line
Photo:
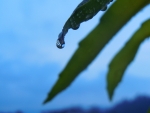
30 62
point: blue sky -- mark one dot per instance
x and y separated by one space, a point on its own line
30 61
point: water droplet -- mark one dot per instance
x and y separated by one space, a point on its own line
109 1
90 11
59 44
89 16
71 19
104 8
93 11
72 24
76 26
60 41
84 8
101 3
79 16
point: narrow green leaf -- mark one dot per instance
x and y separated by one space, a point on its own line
111 22
126 55
148 110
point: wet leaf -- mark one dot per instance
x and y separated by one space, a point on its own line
85 11
125 56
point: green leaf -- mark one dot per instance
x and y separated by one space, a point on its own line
148 110
126 55
111 22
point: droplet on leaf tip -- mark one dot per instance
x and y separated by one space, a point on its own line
60 41
59 44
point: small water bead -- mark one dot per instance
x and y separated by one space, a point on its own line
75 26
78 14
60 41
103 1
104 8
89 16
109 1
71 19
59 45
94 9
85 8
100 3
90 10
72 23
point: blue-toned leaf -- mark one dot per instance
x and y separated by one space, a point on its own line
85 11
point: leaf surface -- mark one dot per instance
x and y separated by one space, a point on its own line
125 56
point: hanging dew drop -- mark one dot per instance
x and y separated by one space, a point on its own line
60 41
59 45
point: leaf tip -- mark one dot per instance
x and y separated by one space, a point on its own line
48 99
110 93
45 101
